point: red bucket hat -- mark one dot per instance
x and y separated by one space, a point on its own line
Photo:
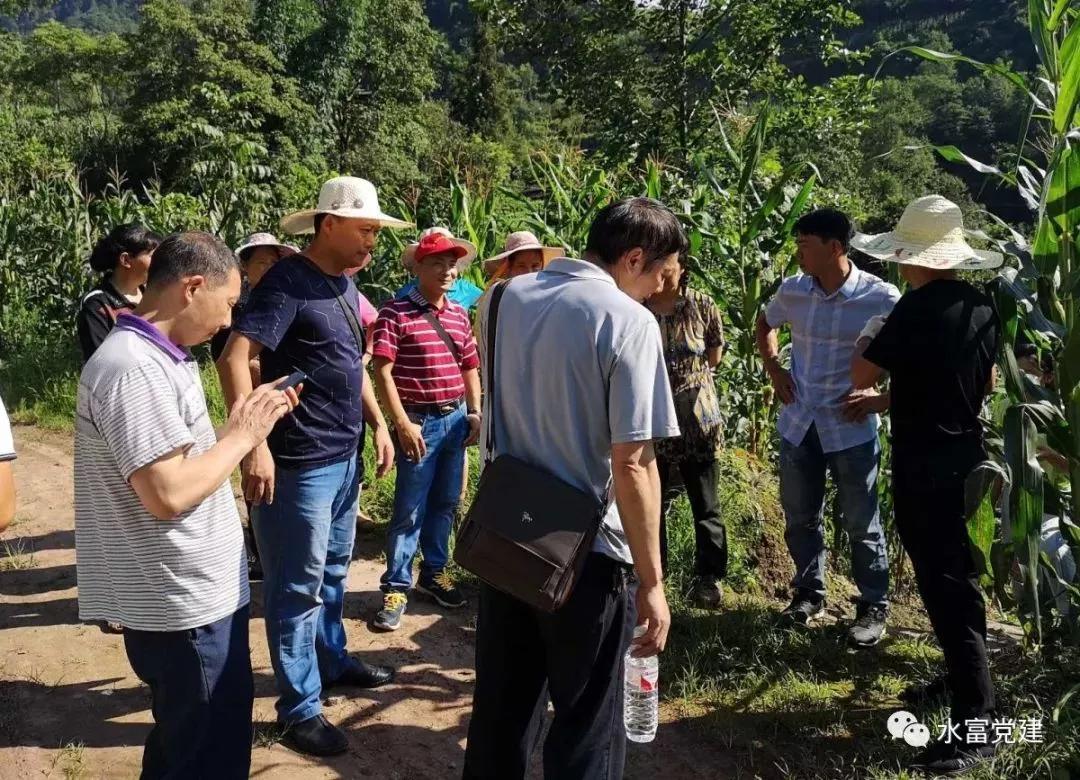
438 244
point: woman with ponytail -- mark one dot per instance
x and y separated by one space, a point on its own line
123 260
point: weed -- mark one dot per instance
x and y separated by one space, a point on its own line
16 555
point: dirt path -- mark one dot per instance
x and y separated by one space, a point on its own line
65 684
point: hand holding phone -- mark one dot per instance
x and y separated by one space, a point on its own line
292 380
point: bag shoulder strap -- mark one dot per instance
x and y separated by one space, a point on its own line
350 313
448 340
492 333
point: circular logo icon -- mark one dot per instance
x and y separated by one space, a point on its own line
917 735
899 721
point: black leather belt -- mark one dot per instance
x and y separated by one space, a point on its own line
435 410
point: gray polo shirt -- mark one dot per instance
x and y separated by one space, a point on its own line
579 367
140 398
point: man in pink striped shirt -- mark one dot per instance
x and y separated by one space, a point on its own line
426 372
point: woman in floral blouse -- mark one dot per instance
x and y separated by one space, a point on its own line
693 340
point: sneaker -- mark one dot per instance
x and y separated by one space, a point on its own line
393 607
869 625
440 586
943 759
708 593
923 694
803 609
316 736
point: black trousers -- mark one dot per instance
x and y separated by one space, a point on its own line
928 495
710 536
575 655
202 695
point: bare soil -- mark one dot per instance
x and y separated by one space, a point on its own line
65 684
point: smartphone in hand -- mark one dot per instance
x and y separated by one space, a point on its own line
292 380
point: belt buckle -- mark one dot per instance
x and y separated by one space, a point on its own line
445 409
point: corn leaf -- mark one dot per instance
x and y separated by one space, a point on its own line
1069 88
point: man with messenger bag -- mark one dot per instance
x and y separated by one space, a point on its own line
561 440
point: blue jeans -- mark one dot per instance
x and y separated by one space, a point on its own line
426 496
202 693
802 494
305 538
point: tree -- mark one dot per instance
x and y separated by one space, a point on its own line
197 66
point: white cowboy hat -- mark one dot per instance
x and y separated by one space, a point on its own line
345 196
263 239
408 253
930 234
519 242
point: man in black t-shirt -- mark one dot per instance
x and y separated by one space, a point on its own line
938 347
303 481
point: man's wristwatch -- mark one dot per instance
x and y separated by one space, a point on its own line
471 412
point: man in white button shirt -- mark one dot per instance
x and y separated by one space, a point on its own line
823 424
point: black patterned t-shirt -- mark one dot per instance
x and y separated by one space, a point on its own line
295 316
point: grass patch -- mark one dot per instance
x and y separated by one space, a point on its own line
71 760
267 735
16 555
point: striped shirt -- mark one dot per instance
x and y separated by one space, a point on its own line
425 370
140 398
823 332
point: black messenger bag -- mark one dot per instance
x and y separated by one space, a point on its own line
527 532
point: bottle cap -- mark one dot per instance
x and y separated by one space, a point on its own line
639 631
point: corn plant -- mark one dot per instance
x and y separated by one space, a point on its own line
1038 297
739 222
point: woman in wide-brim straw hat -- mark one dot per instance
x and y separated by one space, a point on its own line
523 254
930 234
938 347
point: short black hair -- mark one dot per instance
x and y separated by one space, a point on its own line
828 225
192 254
636 222
319 219
130 237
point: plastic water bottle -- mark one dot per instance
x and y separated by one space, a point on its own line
641 692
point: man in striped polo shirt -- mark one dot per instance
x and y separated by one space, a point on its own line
158 542
426 371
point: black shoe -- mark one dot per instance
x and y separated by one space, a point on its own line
943 759
316 736
363 675
440 586
921 695
803 609
708 593
869 625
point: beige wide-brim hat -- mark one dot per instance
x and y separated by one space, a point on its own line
409 252
345 196
929 234
263 239
519 242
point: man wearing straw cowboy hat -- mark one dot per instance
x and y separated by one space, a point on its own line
426 370
938 347
304 484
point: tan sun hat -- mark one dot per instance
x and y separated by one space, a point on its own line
345 196
519 242
408 254
930 234
263 239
